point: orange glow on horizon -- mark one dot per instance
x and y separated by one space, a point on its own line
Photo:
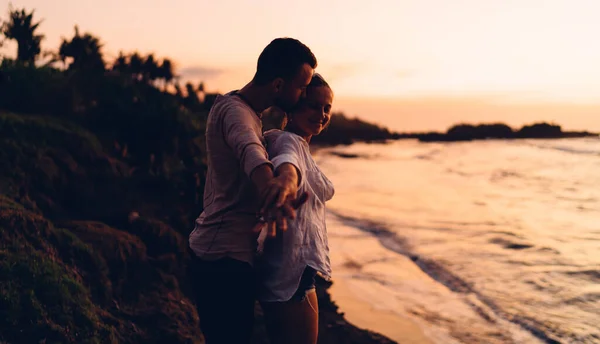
535 51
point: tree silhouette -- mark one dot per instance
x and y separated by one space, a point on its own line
21 28
179 92
121 64
1 32
136 65
166 72
85 50
191 100
150 68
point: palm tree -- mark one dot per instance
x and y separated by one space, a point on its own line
201 90
150 68
136 65
191 100
121 64
85 50
178 92
21 28
166 72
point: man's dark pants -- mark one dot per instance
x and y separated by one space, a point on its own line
225 294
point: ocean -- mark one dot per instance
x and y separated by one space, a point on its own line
507 233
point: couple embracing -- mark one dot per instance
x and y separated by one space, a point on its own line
268 184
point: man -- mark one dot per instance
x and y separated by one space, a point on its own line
240 181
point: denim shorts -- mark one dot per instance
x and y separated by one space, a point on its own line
307 284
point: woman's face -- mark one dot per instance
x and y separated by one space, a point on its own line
314 112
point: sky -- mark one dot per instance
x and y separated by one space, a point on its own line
407 64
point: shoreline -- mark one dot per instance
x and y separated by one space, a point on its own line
363 315
357 259
386 250
379 289
334 327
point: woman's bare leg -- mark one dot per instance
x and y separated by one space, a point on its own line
293 322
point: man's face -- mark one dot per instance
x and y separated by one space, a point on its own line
294 89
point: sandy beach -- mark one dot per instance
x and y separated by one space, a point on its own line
363 315
357 297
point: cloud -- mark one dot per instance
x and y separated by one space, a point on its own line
197 72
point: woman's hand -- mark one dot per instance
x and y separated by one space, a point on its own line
278 196
278 190
275 219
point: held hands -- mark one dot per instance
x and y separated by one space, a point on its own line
267 227
278 203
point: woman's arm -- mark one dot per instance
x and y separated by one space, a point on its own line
285 153
287 163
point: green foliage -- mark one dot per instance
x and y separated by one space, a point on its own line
84 51
120 259
8 203
27 89
88 283
30 163
41 297
147 69
21 28
166 71
40 300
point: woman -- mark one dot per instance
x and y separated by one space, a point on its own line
289 262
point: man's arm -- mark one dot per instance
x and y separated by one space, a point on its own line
243 135
279 199
276 189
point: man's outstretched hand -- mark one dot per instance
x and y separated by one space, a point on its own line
275 219
278 196
278 190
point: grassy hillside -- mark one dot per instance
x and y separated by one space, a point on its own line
74 267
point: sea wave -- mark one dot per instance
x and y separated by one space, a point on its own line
584 147
482 305
509 225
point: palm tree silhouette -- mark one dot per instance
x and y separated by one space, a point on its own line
178 92
166 72
21 28
191 100
136 65
201 91
150 68
84 50
121 64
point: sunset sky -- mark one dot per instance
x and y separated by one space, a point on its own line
409 64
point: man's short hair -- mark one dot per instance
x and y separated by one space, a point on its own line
282 58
